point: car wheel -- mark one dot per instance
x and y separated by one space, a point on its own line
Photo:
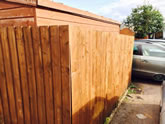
159 77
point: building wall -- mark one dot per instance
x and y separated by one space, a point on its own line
12 14
45 12
29 2
52 17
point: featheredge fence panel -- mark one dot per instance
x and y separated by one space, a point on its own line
61 74
100 72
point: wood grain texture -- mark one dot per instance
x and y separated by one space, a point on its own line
62 74
47 68
18 22
3 89
23 73
65 74
21 12
62 7
56 72
39 75
9 75
31 74
8 5
45 16
27 2
100 71
1 111
15 14
16 75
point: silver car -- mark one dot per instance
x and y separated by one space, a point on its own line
149 60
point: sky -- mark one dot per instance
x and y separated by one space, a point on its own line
114 9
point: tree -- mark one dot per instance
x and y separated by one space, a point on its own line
145 20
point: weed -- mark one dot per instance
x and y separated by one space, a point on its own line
132 86
133 89
107 120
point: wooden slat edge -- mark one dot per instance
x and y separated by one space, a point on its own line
16 74
65 65
56 72
39 75
9 76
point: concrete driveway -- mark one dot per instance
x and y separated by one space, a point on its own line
141 107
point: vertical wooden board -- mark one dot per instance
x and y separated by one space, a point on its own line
104 76
39 75
99 63
90 66
16 75
116 64
119 56
131 42
3 89
9 76
56 72
122 39
83 118
87 75
75 73
111 73
31 74
127 61
1 111
23 73
94 78
66 81
46 57
81 73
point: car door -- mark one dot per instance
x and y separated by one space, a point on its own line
136 59
152 60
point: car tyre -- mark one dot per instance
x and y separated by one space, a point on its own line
159 77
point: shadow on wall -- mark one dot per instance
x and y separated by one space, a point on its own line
95 111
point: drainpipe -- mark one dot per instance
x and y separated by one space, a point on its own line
162 114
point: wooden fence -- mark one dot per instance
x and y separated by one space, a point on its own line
61 74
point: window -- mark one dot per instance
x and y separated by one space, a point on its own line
136 50
153 50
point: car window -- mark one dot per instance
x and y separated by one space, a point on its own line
136 50
153 50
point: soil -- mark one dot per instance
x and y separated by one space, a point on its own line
140 107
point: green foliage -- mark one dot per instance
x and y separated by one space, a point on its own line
145 20
132 89
107 120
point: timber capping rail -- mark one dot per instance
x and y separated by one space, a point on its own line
61 74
